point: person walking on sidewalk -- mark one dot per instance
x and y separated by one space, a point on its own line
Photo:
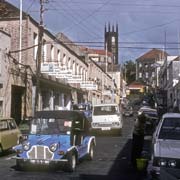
138 138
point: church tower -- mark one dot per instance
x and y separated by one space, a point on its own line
111 41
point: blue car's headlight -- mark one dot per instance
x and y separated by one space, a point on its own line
162 162
26 146
53 147
172 163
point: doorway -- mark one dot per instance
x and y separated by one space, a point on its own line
16 102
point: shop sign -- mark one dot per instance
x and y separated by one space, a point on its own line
89 85
54 69
48 67
75 79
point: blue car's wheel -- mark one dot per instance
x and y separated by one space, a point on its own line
91 152
71 164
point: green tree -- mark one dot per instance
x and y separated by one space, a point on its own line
129 71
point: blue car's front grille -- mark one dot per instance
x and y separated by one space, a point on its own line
40 152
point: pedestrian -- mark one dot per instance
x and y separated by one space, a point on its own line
138 139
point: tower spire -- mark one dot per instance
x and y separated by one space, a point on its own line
109 29
116 27
113 28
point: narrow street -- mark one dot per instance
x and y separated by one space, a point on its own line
111 161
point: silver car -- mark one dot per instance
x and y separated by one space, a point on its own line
166 143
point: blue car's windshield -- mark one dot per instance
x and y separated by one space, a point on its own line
50 126
170 129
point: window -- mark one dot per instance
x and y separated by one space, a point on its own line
64 60
80 70
84 75
140 75
147 75
59 56
140 65
105 110
51 126
11 124
167 74
170 129
69 63
153 74
52 53
77 69
113 40
3 125
74 67
35 43
44 51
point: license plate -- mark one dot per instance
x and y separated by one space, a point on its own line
39 161
105 128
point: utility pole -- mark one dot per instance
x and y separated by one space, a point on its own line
20 33
39 56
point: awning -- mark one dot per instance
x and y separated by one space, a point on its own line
54 85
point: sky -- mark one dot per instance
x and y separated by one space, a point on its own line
142 24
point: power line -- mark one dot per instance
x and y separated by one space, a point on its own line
151 27
83 27
90 15
98 44
113 10
124 4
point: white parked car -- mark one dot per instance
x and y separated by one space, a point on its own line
106 117
166 143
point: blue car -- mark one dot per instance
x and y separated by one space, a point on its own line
56 139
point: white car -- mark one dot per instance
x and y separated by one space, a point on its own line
106 117
166 143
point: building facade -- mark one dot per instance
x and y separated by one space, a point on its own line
67 74
5 88
147 67
55 92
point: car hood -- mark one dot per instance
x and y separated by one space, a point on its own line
167 148
48 139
